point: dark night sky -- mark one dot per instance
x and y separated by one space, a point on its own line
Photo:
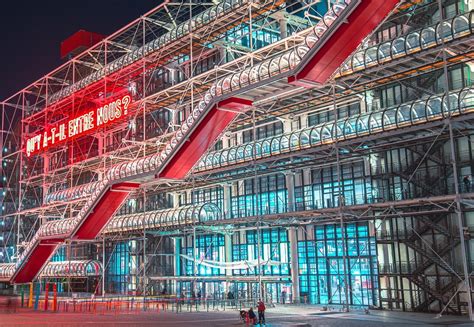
32 31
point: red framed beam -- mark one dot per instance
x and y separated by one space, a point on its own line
38 258
203 136
345 40
104 210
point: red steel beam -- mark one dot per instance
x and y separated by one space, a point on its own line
360 23
203 136
105 209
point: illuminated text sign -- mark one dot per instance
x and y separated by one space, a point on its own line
86 122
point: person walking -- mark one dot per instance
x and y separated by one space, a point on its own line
261 312
283 297
230 297
182 297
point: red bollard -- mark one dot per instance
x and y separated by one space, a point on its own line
55 297
46 290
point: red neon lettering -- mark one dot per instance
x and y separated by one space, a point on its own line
77 126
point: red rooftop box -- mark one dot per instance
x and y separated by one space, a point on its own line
78 42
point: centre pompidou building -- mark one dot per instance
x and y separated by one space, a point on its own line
307 151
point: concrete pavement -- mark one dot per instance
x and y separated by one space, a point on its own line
280 316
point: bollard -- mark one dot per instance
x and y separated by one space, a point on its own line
37 296
30 298
55 297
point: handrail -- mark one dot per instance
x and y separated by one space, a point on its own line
413 42
71 193
173 217
407 114
71 268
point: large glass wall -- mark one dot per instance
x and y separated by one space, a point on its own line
240 38
213 195
121 265
208 247
274 246
263 195
274 257
261 132
321 265
348 110
324 188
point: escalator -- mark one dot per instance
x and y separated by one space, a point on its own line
323 50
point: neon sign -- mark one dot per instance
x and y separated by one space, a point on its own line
85 122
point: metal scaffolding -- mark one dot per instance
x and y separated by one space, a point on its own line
383 147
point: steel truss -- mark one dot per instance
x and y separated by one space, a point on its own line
45 179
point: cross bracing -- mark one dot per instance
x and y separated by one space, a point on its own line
374 114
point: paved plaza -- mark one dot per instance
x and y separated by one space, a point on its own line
279 316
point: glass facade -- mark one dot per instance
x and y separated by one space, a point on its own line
321 266
264 195
122 264
273 246
411 43
250 216
325 189
433 108
209 247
